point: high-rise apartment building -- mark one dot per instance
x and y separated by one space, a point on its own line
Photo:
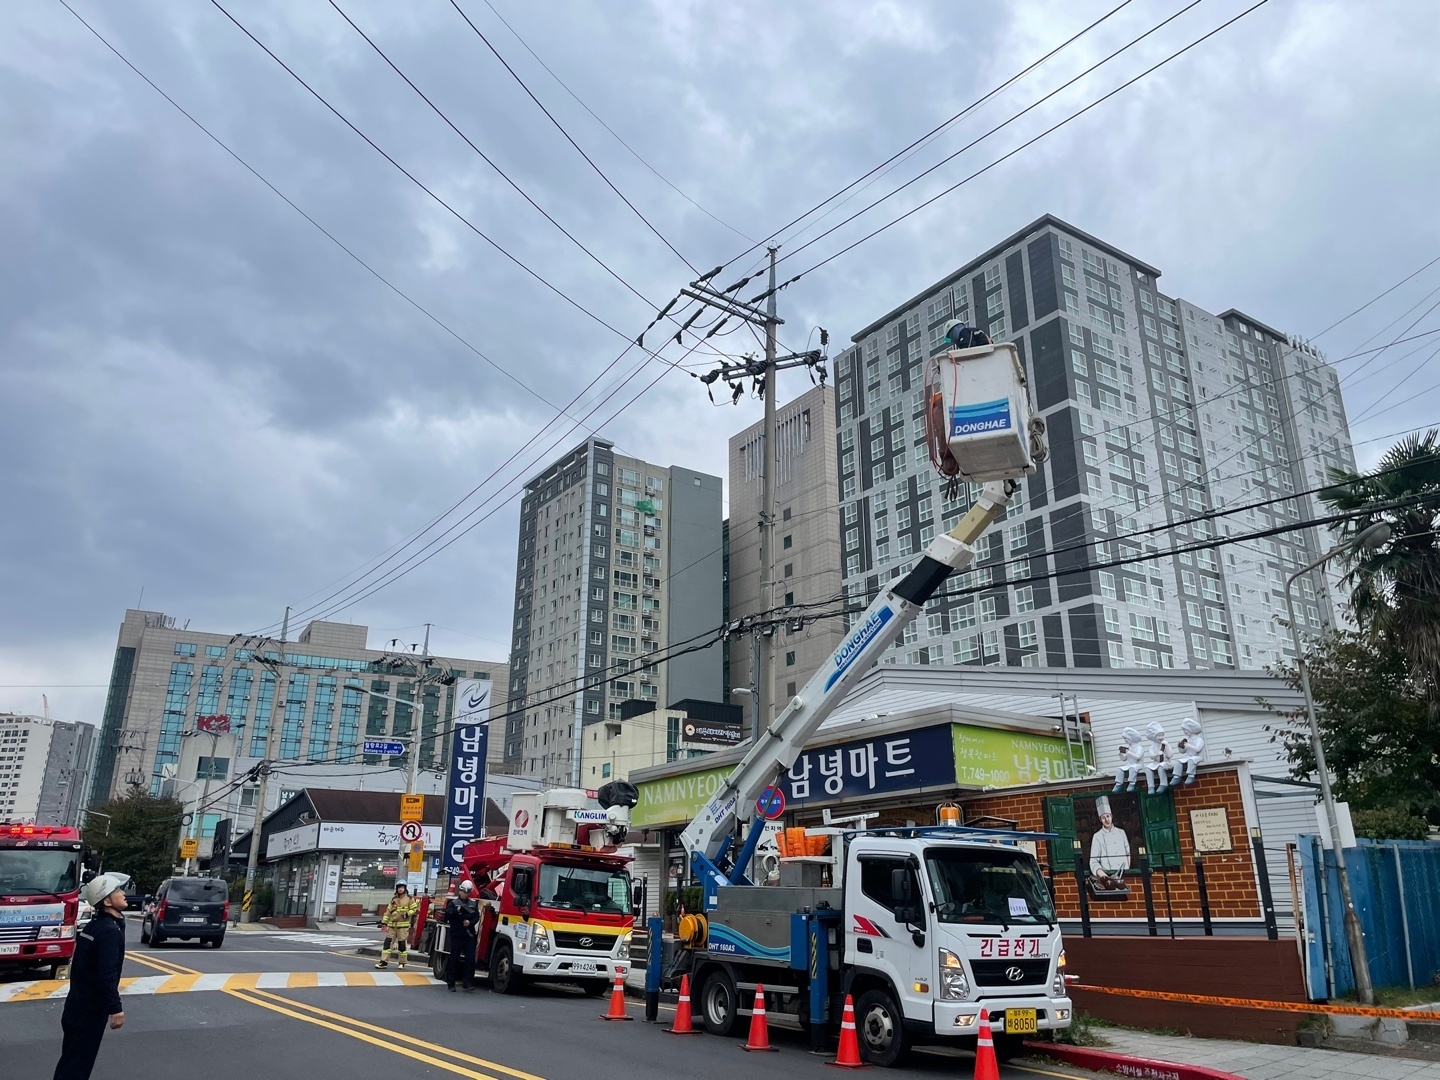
165 676
1158 413
618 561
44 769
807 544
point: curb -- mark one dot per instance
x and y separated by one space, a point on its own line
1107 1061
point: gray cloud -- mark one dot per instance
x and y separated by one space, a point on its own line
202 395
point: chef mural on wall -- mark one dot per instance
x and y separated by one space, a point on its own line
1162 764
1108 841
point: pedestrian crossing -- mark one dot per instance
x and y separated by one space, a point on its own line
329 941
54 989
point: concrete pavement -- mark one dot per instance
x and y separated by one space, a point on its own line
1263 1062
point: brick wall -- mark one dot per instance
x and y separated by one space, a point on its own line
1229 877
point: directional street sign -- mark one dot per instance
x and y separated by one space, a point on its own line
382 748
410 831
771 803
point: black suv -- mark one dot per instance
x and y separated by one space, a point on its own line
185 908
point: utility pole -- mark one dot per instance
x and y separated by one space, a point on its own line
247 912
765 677
763 373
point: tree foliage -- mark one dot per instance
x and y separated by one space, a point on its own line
1395 589
1381 737
142 839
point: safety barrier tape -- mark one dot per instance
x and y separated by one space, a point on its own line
1272 1006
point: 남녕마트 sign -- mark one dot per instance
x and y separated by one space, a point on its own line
901 761
465 793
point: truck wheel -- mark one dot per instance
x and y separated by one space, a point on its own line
504 979
438 963
881 1027
156 938
717 1003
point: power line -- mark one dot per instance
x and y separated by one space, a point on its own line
560 127
1387 292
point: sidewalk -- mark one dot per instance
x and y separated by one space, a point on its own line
1256 1061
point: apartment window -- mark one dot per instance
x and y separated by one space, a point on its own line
1027 634
1220 652
992 276
1146 658
987 609
1107 585
1024 599
787 542
965 650
1112 620
1117 654
964 615
1198 647
790 659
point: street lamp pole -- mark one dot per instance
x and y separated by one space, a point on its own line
1370 538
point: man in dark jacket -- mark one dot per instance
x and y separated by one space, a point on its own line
462 917
94 997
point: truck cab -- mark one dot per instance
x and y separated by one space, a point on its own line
41 870
935 928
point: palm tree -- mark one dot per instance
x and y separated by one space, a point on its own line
1395 589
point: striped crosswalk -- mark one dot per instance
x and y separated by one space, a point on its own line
51 989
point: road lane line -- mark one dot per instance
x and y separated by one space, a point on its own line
391 1033
35 991
161 965
245 980
358 978
384 1045
1043 1072
301 979
178 984
330 978
274 980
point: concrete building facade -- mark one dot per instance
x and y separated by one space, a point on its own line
617 560
1158 413
807 543
166 675
44 769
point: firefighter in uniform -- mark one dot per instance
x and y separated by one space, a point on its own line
398 918
462 917
94 998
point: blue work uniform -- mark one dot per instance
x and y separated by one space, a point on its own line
94 994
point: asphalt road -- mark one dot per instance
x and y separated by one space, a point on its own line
396 1032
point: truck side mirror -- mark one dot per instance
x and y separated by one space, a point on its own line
637 897
900 887
521 884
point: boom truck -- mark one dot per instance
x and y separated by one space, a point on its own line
922 926
554 893
41 870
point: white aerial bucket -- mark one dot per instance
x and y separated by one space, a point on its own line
978 414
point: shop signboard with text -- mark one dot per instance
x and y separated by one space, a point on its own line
465 793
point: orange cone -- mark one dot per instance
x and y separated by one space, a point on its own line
683 1025
986 1067
617 1001
759 1028
848 1056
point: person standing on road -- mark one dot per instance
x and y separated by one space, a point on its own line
462 917
399 917
94 998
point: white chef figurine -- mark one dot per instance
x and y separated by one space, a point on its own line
1153 758
1129 768
1191 752
1109 850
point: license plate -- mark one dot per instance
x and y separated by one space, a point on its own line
584 967
1021 1022
188 919
9 950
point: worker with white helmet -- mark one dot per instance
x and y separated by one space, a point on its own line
94 996
462 916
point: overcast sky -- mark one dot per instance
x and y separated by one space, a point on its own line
204 397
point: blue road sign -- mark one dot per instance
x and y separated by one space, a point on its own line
382 748
771 803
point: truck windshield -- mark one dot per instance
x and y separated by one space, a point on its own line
999 886
30 872
584 888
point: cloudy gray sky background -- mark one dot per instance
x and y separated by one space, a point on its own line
203 396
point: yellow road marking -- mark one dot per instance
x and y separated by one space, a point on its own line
244 980
177 984
384 1044
1043 1072
41 989
301 979
358 978
411 978
390 1033
164 966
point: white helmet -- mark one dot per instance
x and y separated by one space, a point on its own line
466 888
97 889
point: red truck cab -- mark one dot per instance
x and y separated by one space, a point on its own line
41 870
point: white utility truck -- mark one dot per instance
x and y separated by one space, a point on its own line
922 926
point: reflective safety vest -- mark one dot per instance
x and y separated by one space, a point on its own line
400 914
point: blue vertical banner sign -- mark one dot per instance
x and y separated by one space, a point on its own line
465 794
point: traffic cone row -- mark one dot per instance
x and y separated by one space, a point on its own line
759 1027
848 1054
683 1022
617 1001
986 1067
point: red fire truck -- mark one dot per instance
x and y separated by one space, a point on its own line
555 895
41 870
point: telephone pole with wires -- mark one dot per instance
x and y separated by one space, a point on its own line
762 373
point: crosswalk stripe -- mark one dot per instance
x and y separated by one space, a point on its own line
48 989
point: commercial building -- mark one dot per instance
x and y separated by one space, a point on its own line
643 736
1158 413
618 561
807 544
165 676
44 769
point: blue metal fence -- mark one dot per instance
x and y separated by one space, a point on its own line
1396 888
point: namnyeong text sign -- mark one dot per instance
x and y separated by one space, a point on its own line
465 793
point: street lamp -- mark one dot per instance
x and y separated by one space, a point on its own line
1368 539
745 691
